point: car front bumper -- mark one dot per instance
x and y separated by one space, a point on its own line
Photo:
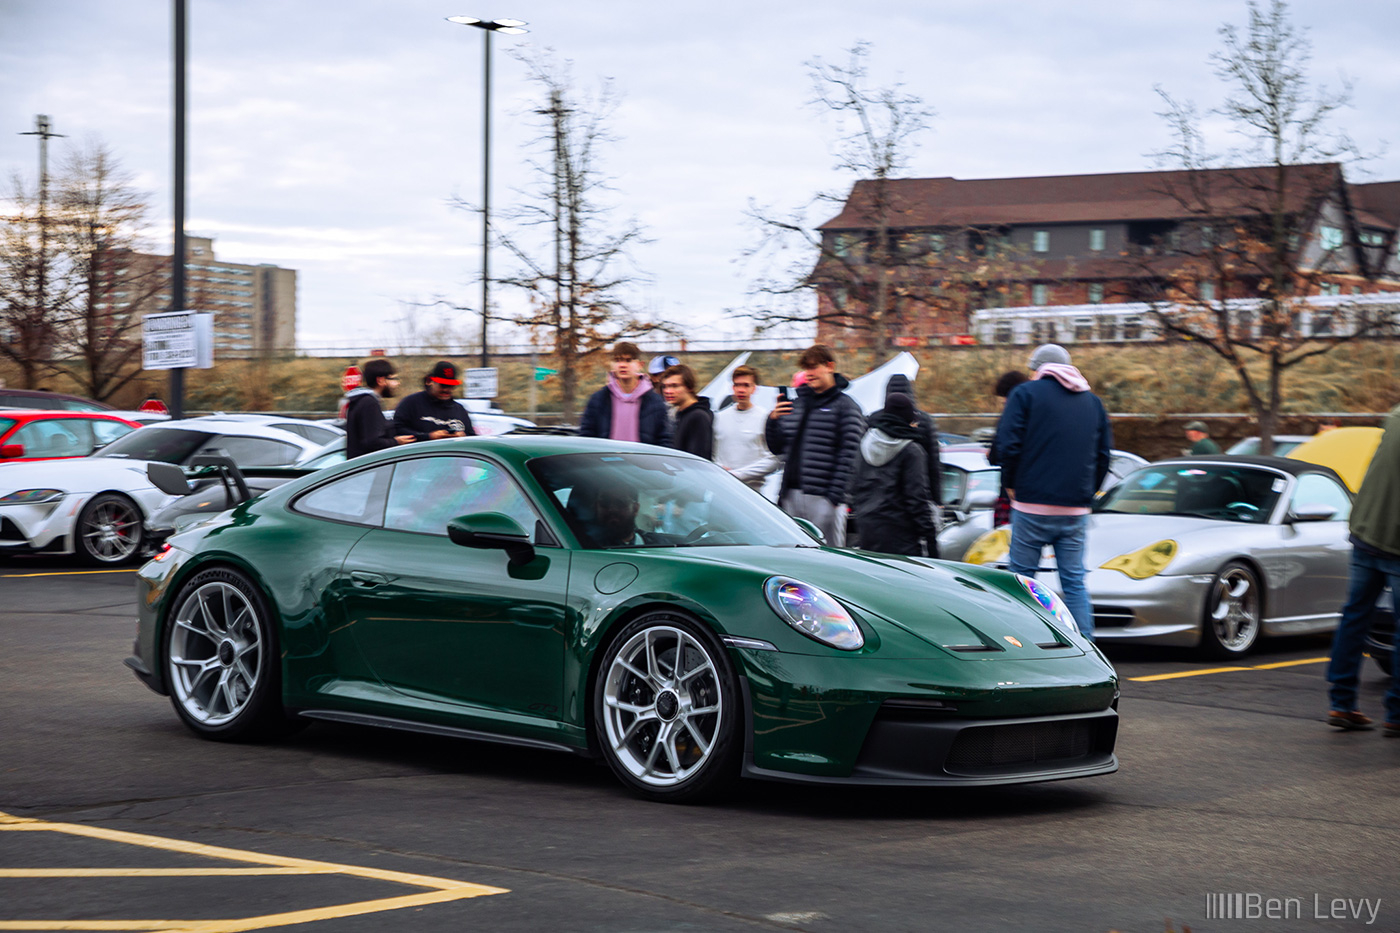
46 526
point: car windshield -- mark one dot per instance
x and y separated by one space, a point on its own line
167 445
617 500
1250 446
1218 491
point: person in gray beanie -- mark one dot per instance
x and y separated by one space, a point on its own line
1053 442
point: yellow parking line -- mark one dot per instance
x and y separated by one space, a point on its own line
1221 670
441 890
65 573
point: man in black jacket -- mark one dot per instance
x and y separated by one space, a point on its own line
818 435
888 491
433 414
366 428
927 438
695 424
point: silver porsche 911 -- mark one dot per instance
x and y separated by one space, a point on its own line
1212 552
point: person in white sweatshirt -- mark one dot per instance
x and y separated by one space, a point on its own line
739 444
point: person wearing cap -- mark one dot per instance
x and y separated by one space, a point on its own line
1199 436
366 428
433 414
657 368
1053 442
626 409
888 490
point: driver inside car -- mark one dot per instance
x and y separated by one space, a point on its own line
612 519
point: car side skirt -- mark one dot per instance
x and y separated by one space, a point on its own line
429 728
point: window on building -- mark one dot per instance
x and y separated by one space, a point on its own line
935 242
1207 236
1083 329
1040 294
1002 332
1372 238
1095 292
1132 327
1108 327
1329 288
1330 237
1096 239
839 297
1207 291
1321 324
1041 241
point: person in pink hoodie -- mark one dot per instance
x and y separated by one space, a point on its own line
1053 443
626 409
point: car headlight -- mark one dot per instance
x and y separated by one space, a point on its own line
991 548
1144 562
1051 602
813 613
32 496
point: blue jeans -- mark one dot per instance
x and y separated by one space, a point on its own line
1065 533
1369 575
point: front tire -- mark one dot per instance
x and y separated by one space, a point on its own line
109 530
667 711
1234 613
221 659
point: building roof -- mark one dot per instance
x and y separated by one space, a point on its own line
1377 204
1127 196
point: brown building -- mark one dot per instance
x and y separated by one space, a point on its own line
922 255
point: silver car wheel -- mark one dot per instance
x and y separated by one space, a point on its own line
216 653
1233 610
663 708
109 529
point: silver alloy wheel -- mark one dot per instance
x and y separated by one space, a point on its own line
216 653
110 529
1234 612
663 708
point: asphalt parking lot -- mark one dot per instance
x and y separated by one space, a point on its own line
113 816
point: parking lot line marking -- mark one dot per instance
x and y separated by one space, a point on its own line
441 890
1221 670
64 573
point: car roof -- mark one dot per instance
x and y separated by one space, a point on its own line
19 395
1282 464
217 425
44 414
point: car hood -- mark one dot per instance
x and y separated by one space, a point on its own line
942 603
83 474
1113 534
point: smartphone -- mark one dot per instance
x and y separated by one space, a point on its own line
785 393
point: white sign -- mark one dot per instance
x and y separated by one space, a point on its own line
481 383
177 340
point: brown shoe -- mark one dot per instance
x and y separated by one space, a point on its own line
1392 730
1352 720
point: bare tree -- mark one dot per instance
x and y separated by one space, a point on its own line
33 287
572 255
877 132
1258 239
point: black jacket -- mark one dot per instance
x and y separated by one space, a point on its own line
695 430
422 413
818 441
928 436
889 491
653 424
366 428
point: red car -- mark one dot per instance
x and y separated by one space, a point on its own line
50 435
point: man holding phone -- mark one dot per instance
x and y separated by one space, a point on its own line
819 434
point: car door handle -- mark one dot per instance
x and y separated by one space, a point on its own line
366 579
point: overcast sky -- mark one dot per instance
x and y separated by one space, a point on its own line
329 137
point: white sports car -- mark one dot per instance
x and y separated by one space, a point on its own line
95 506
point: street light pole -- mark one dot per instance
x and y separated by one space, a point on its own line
44 130
510 27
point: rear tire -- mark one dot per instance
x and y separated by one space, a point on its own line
222 661
1234 613
666 709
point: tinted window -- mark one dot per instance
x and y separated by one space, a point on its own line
428 492
357 498
253 451
1314 489
168 445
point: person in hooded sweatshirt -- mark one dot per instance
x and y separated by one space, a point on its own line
817 435
626 409
928 440
366 428
889 491
695 431
1053 442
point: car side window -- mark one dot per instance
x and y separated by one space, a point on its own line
55 438
253 451
104 431
1316 489
357 498
427 492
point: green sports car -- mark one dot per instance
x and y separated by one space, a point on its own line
620 601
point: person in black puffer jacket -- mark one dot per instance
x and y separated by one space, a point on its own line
889 491
817 435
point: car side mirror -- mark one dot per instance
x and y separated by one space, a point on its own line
811 529
1312 513
982 499
11 451
492 530
169 479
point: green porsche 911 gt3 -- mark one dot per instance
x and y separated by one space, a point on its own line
614 600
